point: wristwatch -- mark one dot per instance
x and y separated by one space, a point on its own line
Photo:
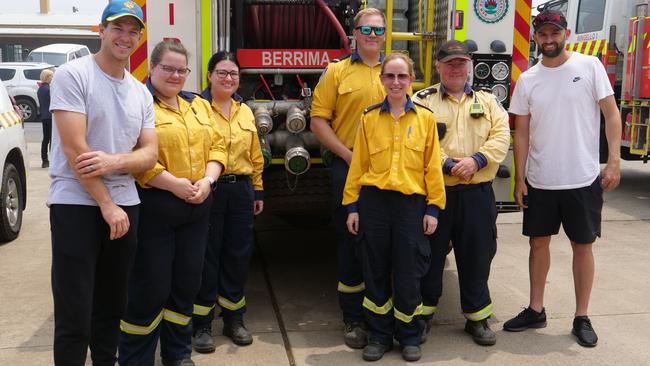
210 179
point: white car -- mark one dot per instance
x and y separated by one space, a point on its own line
22 80
13 173
58 53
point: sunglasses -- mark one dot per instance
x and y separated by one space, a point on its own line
391 76
366 30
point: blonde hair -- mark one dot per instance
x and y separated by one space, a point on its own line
368 11
398 56
46 73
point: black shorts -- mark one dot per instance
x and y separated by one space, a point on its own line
578 210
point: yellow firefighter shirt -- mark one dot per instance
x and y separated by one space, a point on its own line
486 138
243 150
345 89
187 140
400 154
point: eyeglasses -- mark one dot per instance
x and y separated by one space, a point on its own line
390 77
171 70
222 74
366 30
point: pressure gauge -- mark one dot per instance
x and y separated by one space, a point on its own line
500 71
500 92
481 70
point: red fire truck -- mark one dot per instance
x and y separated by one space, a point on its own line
283 47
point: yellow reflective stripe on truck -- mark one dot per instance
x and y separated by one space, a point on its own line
10 118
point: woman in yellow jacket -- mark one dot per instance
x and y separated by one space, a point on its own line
393 193
176 197
239 197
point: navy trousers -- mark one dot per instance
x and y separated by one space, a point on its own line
469 222
165 279
395 255
350 275
228 254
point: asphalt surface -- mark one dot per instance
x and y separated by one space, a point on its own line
293 307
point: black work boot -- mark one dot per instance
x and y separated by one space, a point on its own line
585 333
203 341
411 353
425 324
481 332
355 335
235 330
375 351
528 318
183 362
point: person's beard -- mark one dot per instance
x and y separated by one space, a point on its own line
553 53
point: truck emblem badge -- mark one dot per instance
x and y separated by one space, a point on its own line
491 11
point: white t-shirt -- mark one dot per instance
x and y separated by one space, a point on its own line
564 121
116 111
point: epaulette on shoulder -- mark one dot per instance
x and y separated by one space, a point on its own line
374 106
420 105
188 95
426 92
342 58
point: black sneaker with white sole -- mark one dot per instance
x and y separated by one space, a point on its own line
528 318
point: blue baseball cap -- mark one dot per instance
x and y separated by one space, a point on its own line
121 8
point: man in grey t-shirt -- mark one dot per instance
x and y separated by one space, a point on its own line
103 132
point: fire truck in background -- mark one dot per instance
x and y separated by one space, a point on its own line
609 29
283 46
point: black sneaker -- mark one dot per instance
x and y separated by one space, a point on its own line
528 318
203 341
236 331
584 332
481 332
45 164
374 351
355 335
411 353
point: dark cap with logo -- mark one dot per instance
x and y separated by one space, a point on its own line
451 50
550 17
121 8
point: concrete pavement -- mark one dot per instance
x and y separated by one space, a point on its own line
293 310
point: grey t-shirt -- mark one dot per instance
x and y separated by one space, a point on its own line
116 112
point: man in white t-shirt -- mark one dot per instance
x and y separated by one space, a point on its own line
557 104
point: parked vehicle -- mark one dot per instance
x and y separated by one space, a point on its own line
22 81
13 172
58 53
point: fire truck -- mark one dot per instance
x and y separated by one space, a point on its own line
283 47
609 29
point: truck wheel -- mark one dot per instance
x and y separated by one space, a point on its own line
11 204
29 109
